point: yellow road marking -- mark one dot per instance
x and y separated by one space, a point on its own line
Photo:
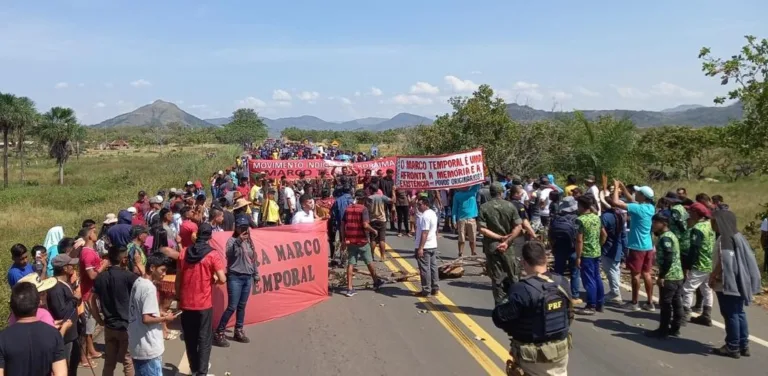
473 327
468 343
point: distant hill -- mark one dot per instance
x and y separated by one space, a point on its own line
682 107
275 126
157 113
695 116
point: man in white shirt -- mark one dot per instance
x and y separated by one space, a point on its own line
307 212
289 202
593 191
426 248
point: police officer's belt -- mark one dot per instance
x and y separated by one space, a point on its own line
547 352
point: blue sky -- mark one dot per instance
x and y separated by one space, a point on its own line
342 59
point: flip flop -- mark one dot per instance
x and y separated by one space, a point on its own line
92 365
101 355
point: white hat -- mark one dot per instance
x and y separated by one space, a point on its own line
173 190
40 284
221 172
131 210
189 182
156 200
110 218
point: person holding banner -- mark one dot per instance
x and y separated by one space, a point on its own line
499 222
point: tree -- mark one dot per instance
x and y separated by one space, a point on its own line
27 118
59 128
747 71
17 114
245 127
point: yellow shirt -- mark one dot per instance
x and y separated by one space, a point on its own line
569 189
271 211
254 194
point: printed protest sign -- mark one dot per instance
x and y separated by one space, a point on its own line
441 171
383 164
293 265
274 169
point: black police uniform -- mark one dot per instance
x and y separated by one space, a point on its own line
537 314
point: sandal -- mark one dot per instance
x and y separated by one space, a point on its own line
91 365
172 334
100 355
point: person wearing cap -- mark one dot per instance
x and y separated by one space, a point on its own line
242 274
62 301
614 244
111 297
155 204
639 243
669 279
30 347
562 238
354 229
499 222
700 260
103 243
270 210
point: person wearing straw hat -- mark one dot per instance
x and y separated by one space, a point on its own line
42 285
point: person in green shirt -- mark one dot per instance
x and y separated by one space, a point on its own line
700 254
588 252
669 279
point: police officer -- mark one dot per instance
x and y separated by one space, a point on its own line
499 222
537 315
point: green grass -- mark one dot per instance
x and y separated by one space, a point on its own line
96 184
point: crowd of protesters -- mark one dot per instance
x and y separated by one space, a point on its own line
126 275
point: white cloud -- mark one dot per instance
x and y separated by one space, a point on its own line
61 85
345 100
460 86
81 85
141 83
527 90
251 102
422 87
587 92
309 96
376 91
522 85
100 105
630 92
411 100
357 94
672 90
561 95
281 95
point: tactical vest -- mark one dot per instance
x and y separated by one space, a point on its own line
550 322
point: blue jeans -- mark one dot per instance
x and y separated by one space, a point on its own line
238 291
148 367
736 328
612 269
593 284
564 260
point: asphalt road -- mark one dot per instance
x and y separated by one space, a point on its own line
393 333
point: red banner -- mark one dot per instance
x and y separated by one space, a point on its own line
383 164
293 267
311 167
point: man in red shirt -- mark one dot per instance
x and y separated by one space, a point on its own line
142 208
244 188
354 239
199 267
90 266
188 227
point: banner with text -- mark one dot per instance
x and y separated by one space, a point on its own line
293 264
383 164
292 168
441 171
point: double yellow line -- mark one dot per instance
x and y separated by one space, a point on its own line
450 325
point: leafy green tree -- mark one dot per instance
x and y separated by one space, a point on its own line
17 115
245 127
746 72
59 128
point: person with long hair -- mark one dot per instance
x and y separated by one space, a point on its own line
242 274
735 280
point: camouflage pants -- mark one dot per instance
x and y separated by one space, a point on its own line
500 267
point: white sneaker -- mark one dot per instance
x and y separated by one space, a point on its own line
649 307
632 307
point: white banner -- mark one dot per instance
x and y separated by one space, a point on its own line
441 171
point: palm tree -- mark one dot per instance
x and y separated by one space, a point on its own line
59 128
17 114
26 119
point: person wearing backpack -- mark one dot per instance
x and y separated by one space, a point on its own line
562 238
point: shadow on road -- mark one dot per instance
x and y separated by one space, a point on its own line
170 370
472 311
637 334
470 285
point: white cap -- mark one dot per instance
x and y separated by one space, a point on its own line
156 200
131 210
189 182
221 172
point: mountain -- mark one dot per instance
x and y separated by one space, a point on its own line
275 126
682 107
157 113
695 117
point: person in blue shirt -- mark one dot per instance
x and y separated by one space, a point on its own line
464 213
641 255
21 266
614 242
51 243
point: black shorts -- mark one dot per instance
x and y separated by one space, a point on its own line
381 231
